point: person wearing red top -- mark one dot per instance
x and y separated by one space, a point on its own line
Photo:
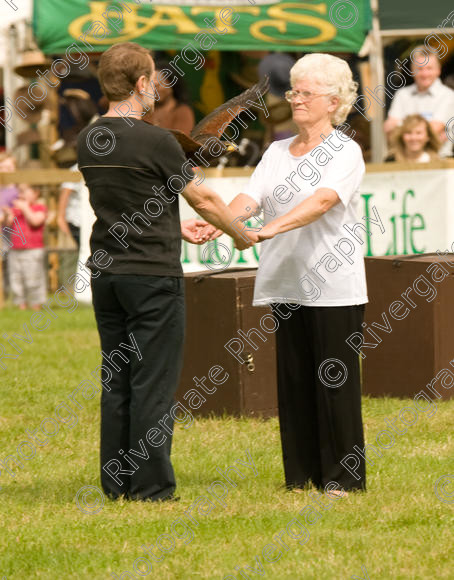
26 257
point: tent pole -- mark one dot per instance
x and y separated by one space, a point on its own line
378 141
9 83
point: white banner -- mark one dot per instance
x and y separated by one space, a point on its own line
416 208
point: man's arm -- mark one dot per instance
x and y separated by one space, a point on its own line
304 213
61 211
438 128
390 124
442 116
211 207
396 113
238 206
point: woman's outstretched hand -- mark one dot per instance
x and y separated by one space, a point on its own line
246 240
267 232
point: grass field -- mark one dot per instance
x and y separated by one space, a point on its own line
400 528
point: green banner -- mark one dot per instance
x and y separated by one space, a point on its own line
325 26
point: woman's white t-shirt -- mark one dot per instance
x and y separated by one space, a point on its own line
303 265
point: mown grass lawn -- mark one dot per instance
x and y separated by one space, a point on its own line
400 528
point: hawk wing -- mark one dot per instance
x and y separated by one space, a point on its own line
224 114
189 145
210 127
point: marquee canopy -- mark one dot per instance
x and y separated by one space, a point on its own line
411 15
327 25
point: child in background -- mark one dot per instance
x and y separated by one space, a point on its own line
8 193
26 257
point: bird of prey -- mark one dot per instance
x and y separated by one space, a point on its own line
209 130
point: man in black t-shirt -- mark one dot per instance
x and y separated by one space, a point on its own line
138 221
134 172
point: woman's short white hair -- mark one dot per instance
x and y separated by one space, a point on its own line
334 76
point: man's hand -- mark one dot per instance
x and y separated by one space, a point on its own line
211 207
390 124
211 231
196 231
63 225
439 130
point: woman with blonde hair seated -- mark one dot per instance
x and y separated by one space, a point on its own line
414 141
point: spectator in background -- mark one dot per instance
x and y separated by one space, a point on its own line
428 97
414 140
69 208
8 193
26 257
83 111
279 122
172 110
79 110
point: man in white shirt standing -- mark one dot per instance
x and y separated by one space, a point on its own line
427 96
69 208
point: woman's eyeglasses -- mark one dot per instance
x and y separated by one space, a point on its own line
305 96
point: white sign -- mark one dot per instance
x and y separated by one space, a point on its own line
416 208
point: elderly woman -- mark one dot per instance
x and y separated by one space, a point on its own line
308 189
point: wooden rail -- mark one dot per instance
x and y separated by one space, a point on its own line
59 176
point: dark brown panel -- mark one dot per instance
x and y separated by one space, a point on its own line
419 345
217 306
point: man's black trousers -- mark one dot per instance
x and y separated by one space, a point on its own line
320 418
142 392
